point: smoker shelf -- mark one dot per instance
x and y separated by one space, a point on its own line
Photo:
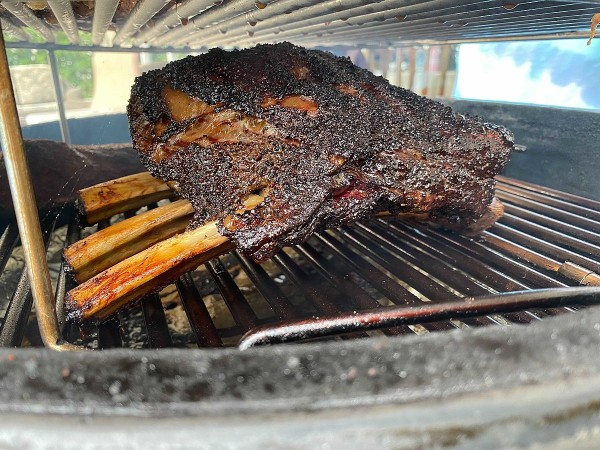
198 24
387 277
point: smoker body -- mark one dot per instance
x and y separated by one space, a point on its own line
486 386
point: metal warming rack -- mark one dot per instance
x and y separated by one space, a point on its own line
385 277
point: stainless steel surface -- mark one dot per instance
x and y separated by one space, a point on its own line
95 48
14 30
326 16
173 18
143 12
242 23
24 14
63 11
210 16
103 14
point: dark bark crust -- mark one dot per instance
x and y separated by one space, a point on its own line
368 147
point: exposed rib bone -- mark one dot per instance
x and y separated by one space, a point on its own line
104 200
144 272
90 256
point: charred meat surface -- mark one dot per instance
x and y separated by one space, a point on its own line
278 141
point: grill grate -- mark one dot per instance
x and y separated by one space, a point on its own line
204 23
395 276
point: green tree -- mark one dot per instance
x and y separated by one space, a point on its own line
74 67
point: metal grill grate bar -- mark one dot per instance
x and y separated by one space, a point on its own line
557 225
156 322
103 13
240 23
450 271
453 35
293 331
278 301
171 19
204 329
422 283
421 19
240 310
14 30
549 192
319 293
142 13
17 313
24 14
109 335
379 280
552 206
498 261
355 296
468 22
63 11
8 240
543 246
322 295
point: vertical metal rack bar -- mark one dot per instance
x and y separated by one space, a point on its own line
26 210
60 103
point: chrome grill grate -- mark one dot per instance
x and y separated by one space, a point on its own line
386 277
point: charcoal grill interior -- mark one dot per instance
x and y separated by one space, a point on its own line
399 273
387 311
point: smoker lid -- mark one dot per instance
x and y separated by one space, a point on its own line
198 24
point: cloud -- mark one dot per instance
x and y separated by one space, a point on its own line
487 75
